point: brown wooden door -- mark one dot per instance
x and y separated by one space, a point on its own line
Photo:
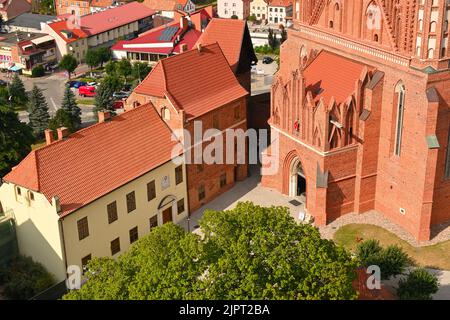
167 215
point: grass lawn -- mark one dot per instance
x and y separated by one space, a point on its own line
435 256
86 102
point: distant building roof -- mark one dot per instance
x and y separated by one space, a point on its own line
30 20
197 81
280 3
165 5
94 161
102 21
14 8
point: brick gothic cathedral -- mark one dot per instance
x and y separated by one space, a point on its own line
361 107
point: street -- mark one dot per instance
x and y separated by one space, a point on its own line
53 89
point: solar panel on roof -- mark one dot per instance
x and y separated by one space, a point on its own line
168 33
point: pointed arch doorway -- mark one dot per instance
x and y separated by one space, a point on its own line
297 180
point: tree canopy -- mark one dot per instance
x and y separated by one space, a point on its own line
104 97
15 140
249 252
38 112
17 91
68 63
70 106
92 58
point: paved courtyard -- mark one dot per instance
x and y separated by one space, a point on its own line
248 190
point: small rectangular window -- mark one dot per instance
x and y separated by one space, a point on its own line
131 202
134 235
180 206
153 222
201 192
19 191
151 190
179 174
31 196
83 228
112 212
223 180
115 246
85 260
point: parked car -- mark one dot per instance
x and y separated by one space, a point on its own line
86 91
267 60
76 84
93 83
3 83
120 95
118 104
126 87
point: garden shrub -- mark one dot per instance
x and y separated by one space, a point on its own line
418 285
38 71
25 278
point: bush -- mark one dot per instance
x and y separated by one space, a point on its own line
38 71
25 278
391 260
419 285
367 250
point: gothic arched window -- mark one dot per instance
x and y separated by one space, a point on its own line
400 93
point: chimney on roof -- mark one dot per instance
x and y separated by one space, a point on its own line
199 47
104 116
183 23
56 203
184 47
49 137
63 132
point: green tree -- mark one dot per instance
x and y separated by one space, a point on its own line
273 42
111 68
252 18
17 91
124 68
92 58
70 106
15 139
38 112
38 71
61 119
104 55
418 285
140 70
112 82
68 63
234 17
249 252
104 98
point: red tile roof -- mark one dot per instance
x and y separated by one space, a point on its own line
166 5
94 161
229 33
330 75
102 21
197 81
280 3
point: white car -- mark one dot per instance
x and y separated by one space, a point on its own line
93 83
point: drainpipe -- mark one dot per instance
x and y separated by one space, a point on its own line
61 229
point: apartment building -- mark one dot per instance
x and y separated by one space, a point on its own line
258 8
22 51
197 87
233 8
278 11
104 28
95 192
